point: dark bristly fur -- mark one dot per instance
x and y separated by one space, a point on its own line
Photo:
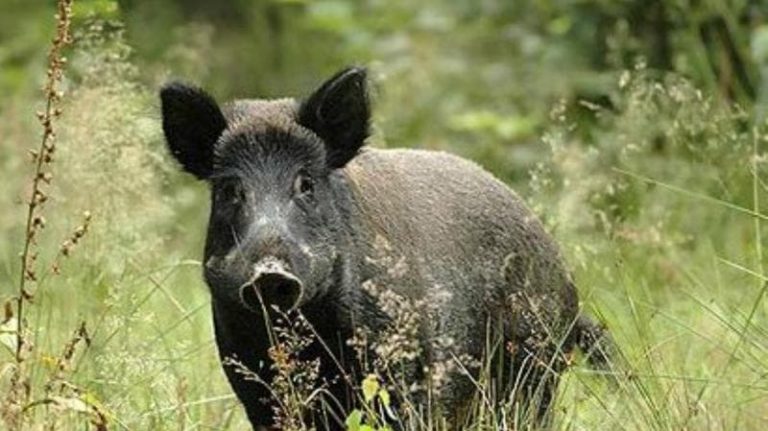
339 111
290 181
191 121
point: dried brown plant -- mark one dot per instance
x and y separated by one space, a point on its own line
57 390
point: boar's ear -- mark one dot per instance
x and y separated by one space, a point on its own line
192 123
339 113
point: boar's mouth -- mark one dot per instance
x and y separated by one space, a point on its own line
273 284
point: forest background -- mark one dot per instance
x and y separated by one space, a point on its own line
635 128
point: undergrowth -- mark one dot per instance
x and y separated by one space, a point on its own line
657 198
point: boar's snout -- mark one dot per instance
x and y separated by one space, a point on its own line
273 283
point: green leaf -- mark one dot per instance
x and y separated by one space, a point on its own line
370 387
353 420
384 397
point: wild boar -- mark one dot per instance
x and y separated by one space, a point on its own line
301 213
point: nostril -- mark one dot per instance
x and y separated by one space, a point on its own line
277 289
273 285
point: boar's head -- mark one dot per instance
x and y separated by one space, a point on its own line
274 223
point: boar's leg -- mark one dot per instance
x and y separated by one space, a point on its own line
535 371
241 338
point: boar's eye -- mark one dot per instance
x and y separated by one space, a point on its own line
303 185
231 192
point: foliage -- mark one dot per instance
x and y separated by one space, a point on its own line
636 129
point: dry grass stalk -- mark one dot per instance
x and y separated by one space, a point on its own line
43 157
17 399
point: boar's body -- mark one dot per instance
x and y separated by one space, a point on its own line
437 227
293 191
460 234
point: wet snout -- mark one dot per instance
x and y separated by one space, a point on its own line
273 283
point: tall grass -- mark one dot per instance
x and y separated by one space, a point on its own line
658 204
654 210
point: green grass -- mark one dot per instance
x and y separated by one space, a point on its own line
659 207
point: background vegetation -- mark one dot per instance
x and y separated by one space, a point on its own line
635 128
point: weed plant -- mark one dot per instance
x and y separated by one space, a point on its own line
657 198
